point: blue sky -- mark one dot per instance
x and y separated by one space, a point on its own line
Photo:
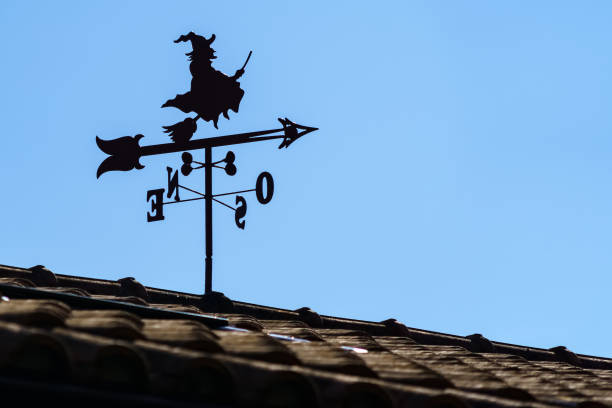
459 182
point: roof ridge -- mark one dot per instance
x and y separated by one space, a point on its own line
429 336
95 303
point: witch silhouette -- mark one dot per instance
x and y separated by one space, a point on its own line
212 92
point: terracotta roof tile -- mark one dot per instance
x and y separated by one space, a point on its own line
110 323
34 312
127 299
69 290
242 321
283 324
29 352
255 345
301 333
326 356
181 333
25 283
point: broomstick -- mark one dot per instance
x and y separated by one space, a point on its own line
240 72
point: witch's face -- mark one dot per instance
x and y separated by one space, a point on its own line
210 53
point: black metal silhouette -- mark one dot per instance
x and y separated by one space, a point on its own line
212 93
125 152
181 132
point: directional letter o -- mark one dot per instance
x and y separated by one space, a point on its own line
264 199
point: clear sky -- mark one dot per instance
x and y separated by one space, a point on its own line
459 182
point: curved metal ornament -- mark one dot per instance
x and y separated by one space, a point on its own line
124 154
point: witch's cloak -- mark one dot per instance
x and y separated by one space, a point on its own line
212 92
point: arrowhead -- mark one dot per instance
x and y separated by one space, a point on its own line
293 131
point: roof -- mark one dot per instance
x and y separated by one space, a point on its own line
82 340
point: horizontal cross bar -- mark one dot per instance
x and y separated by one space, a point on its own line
182 201
193 191
227 205
234 192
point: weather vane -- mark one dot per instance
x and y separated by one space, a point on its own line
212 93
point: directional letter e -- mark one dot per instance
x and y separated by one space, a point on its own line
157 205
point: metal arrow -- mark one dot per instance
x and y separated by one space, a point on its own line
125 152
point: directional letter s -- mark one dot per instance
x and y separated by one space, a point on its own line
240 211
157 205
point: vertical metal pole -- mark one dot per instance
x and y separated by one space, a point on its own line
208 194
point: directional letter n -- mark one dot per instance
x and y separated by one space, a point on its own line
173 184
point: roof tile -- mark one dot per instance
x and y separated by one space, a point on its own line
181 333
111 323
34 312
255 345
